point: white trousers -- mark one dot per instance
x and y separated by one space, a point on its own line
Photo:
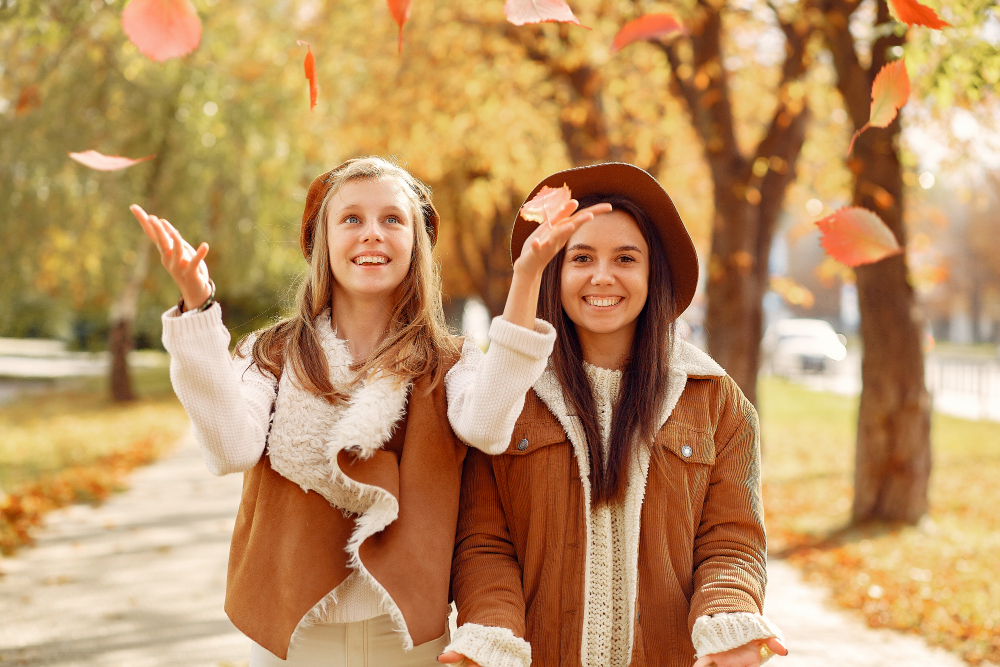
371 643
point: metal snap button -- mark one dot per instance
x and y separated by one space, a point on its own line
523 444
687 451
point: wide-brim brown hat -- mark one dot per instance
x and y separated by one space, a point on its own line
321 186
627 180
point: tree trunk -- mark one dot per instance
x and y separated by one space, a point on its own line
122 322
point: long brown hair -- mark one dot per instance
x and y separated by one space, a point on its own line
417 336
635 417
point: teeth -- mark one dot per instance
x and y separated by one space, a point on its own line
370 259
593 301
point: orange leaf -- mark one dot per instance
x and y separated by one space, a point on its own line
889 93
162 29
855 236
648 27
27 100
310 67
101 162
912 12
547 199
521 12
400 10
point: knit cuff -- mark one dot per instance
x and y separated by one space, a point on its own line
536 343
726 631
177 324
490 646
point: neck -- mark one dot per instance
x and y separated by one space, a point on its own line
361 320
607 350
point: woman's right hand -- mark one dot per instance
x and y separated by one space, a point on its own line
185 264
453 658
539 249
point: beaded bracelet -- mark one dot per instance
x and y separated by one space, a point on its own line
203 307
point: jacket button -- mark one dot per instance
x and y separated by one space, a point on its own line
687 451
523 444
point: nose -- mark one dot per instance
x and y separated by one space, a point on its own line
602 274
372 231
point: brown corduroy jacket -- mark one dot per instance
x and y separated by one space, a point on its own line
521 547
288 548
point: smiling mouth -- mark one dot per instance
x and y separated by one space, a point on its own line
363 260
603 301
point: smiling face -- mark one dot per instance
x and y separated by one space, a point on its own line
605 277
370 237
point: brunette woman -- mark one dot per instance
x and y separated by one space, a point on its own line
337 418
623 523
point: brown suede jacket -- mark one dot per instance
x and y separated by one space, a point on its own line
521 554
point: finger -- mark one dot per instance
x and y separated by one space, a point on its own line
450 658
704 661
776 646
598 209
199 255
143 219
162 240
178 249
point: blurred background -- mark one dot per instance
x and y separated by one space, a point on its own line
878 388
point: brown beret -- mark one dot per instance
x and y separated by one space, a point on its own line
321 186
638 185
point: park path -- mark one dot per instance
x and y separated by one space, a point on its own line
140 581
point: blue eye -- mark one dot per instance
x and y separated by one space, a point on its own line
392 219
353 219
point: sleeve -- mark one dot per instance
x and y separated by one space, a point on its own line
229 401
486 576
486 391
730 548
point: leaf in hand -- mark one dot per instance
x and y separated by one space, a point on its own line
855 236
162 29
310 67
548 200
100 162
648 27
889 93
521 12
400 10
912 12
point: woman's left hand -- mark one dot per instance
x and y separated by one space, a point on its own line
747 655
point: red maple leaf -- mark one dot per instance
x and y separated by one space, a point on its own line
310 67
650 26
855 236
889 93
400 10
912 12
521 12
101 162
162 29
548 199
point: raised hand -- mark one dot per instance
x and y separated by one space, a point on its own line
747 655
185 264
539 249
453 658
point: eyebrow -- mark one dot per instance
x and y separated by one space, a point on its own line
355 206
621 248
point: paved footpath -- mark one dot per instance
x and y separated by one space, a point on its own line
140 581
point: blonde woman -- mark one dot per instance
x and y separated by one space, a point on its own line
337 416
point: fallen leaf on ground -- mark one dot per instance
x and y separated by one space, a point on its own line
400 10
912 12
855 236
547 199
102 162
889 93
648 27
162 29
522 12
310 67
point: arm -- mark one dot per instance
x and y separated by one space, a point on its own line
486 576
730 549
228 400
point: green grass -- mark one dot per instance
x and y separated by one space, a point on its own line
941 578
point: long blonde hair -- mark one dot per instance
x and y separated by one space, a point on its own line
417 337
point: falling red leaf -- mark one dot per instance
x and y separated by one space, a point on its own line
100 162
162 29
27 100
650 26
855 236
400 10
521 12
912 12
547 199
310 67
889 93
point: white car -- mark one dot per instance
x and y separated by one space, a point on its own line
797 346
